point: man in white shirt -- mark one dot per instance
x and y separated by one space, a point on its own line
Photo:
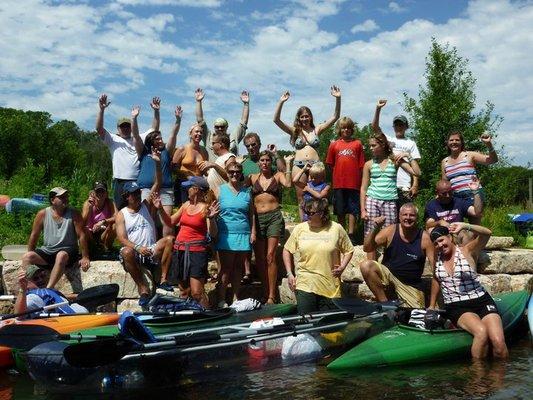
216 171
402 148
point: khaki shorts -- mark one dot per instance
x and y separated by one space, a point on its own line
411 296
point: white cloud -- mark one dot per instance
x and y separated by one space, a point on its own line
395 7
179 3
368 26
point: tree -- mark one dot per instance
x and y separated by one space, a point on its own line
446 103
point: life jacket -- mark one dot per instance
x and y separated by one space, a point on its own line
52 296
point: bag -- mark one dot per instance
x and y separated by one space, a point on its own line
302 347
164 303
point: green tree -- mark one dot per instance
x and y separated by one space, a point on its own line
446 103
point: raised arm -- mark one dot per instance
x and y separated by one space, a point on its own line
102 105
375 122
476 210
36 230
478 243
285 178
156 106
198 110
277 114
238 133
171 144
335 92
377 236
485 159
137 141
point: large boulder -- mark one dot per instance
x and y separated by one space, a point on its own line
499 242
510 261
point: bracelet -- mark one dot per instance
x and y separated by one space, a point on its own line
289 274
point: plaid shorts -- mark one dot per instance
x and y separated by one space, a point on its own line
376 208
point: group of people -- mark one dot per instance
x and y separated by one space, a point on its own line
229 205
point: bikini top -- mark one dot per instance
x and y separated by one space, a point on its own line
272 189
303 141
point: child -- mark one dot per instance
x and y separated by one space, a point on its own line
346 158
316 186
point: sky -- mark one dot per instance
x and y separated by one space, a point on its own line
59 56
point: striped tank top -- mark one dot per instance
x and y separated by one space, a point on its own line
383 182
459 174
463 284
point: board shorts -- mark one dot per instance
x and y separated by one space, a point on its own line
270 224
410 295
196 268
482 306
346 201
50 259
166 195
376 208
143 261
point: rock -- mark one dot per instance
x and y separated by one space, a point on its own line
74 280
511 261
6 307
129 304
496 283
522 282
286 295
499 242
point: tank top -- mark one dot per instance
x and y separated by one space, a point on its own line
405 259
140 226
193 228
146 177
96 215
463 284
189 163
234 210
383 182
273 188
459 174
59 235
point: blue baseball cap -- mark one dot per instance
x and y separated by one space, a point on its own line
130 187
199 181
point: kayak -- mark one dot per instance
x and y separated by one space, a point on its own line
62 324
530 315
233 349
404 344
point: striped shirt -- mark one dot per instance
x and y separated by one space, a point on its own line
459 174
382 182
463 284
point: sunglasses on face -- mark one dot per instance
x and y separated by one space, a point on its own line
311 213
234 172
250 145
220 126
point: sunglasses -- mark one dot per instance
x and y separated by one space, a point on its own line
234 172
250 145
311 213
220 126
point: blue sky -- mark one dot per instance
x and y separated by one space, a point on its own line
62 54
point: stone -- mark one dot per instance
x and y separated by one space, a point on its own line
129 304
286 295
510 261
499 242
496 283
522 282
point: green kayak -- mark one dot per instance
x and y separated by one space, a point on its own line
409 345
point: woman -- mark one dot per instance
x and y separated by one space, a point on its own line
236 230
145 180
266 191
467 303
98 215
378 186
460 166
186 160
324 250
195 218
305 137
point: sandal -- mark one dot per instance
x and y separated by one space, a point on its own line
246 279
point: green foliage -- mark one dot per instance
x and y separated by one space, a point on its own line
446 103
14 229
498 220
506 185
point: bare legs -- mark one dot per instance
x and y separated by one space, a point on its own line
231 267
486 331
265 259
372 277
58 269
132 266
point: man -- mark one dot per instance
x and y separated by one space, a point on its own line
406 249
346 158
122 147
250 163
221 125
402 148
62 227
216 171
136 232
33 294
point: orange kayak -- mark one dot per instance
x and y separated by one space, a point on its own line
62 324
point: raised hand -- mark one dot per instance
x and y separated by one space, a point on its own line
199 94
474 185
135 111
156 103
486 138
272 148
156 200
456 227
156 154
245 96
22 280
102 102
381 103
285 96
213 209
288 158
335 91
92 197
178 112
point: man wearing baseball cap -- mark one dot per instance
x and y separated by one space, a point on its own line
402 148
62 227
221 125
123 146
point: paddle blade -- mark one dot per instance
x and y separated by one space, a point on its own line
99 295
356 306
25 337
98 352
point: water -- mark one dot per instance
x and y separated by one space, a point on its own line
447 380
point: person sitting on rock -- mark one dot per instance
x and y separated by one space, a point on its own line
406 249
62 227
33 294
137 233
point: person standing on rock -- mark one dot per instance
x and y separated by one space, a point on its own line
324 250
406 249
62 227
